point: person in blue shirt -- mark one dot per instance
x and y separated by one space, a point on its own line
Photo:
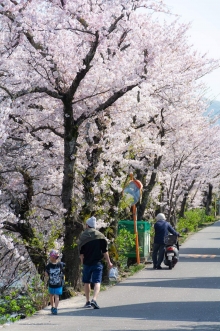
162 229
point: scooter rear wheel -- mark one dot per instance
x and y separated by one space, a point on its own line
170 265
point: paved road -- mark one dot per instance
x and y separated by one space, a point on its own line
183 299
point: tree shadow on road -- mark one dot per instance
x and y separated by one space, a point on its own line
197 282
205 327
198 311
200 251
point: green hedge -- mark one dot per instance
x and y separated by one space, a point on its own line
193 219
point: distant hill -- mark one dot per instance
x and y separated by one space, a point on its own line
214 108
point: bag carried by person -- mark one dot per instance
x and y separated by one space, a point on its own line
113 274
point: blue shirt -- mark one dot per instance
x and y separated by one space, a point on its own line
162 229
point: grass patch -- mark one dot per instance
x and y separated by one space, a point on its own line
135 268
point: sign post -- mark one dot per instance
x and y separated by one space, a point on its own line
134 213
133 192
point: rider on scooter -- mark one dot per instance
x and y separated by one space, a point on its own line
162 229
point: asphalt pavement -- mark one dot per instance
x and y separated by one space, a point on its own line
183 299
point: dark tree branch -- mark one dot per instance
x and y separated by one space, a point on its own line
109 102
9 226
90 96
114 25
87 62
36 89
47 127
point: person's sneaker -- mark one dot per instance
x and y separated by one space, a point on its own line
52 308
159 267
154 267
88 304
54 311
94 304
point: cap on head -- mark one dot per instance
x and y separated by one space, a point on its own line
91 222
54 253
160 217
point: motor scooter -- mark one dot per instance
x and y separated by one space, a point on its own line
171 254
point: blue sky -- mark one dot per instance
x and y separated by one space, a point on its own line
204 16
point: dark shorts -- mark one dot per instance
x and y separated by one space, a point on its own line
92 273
56 291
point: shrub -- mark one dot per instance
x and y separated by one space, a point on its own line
193 219
14 306
16 303
122 244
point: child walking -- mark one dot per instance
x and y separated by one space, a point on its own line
54 270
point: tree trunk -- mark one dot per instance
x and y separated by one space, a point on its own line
183 204
71 253
158 208
171 200
73 226
157 160
91 176
147 189
37 255
209 200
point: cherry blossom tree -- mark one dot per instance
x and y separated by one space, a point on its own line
104 55
92 90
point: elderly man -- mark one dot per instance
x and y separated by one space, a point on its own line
162 229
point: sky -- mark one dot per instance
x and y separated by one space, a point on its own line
204 16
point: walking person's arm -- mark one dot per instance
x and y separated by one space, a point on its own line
171 230
106 256
46 274
104 249
81 256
